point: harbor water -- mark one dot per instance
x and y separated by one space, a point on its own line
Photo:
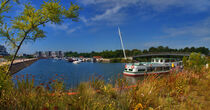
47 70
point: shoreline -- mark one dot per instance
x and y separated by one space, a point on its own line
20 64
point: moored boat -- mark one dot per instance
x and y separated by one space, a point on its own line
157 66
76 62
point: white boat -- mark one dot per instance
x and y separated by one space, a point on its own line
157 66
76 62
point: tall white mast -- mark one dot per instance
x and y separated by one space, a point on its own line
122 42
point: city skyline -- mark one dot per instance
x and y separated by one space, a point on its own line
143 24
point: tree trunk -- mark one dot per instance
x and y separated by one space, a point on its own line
16 52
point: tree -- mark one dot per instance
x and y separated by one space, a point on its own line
135 52
145 51
28 25
152 49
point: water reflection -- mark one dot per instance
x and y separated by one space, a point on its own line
132 80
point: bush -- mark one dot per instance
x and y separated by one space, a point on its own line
195 62
6 83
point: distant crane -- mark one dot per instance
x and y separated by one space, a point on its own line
122 43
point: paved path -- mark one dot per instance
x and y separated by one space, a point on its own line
17 61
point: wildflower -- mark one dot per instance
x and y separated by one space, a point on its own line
138 107
110 105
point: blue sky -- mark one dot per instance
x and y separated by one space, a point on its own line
143 23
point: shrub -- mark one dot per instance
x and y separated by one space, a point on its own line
6 83
195 62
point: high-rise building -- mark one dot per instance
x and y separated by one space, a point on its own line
40 54
48 54
3 51
59 54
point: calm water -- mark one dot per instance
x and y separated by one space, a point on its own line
46 70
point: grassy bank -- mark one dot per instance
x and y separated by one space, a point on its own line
185 90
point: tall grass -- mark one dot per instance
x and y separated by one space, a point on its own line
181 91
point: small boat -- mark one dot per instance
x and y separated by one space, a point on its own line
71 60
56 58
76 62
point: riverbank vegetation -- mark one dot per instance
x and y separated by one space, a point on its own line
120 60
134 52
184 90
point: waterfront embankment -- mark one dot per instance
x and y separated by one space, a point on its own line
20 64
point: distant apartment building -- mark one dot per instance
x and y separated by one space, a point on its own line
40 54
59 54
49 54
3 51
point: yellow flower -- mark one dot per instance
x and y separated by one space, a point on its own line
139 107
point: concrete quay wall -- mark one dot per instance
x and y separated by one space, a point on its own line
19 65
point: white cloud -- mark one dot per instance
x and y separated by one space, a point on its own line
63 27
153 44
60 27
107 14
113 11
73 30
200 29
108 11
196 34
83 19
192 5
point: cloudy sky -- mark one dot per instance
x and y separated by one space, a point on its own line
143 23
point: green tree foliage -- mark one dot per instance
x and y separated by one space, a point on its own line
28 24
105 54
159 49
195 62
135 52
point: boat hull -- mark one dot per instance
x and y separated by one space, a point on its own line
142 74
